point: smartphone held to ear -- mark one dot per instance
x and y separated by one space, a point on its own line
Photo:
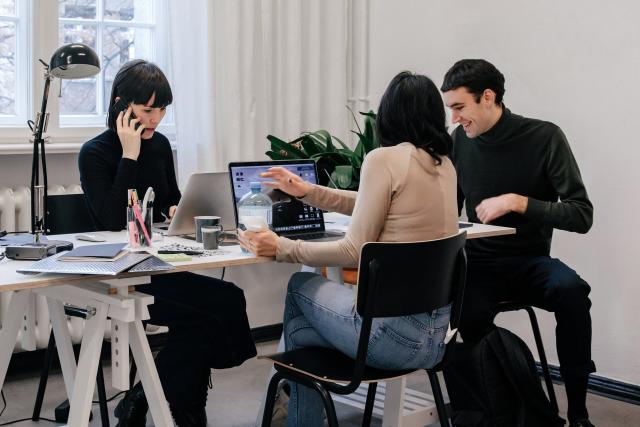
122 105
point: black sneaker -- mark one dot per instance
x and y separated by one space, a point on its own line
132 409
195 416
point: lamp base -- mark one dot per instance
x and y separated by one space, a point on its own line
37 251
30 251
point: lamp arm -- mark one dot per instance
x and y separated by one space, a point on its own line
39 193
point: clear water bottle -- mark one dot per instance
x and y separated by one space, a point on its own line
254 209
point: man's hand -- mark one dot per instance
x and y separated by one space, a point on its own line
495 207
261 243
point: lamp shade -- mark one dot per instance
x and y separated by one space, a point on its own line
74 61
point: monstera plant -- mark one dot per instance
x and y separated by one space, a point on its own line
338 165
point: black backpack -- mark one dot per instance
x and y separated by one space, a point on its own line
495 384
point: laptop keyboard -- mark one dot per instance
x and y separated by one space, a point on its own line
311 236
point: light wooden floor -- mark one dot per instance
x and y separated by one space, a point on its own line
237 393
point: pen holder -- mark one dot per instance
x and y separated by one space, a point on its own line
139 226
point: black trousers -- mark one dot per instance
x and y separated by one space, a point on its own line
208 328
543 282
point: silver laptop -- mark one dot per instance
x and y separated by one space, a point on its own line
290 217
205 194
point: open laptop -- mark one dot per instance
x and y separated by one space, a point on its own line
290 217
205 194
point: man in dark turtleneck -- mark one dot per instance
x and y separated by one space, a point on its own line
519 172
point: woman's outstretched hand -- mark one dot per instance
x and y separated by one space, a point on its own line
286 181
128 134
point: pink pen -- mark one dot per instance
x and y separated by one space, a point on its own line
136 211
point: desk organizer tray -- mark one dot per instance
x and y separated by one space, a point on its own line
52 265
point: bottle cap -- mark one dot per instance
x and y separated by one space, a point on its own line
256 186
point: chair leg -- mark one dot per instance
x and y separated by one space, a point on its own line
102 396
437 395
329 407
270 400
44 376
542 356
368 408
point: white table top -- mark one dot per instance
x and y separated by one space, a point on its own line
336 221
10 280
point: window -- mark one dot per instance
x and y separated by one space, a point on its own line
14 70
118 30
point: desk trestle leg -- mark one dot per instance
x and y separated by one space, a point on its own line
126 310
9 332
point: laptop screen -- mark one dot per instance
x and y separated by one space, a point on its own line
289 214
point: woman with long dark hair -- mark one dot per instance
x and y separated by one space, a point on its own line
208 326
407 193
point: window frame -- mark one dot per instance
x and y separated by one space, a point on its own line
23 104
42 41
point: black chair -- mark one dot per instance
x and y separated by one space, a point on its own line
515 306
68 213
395 279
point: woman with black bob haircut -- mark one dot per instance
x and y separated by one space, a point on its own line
207 320
407 193
412 110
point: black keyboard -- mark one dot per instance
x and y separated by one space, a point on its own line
311 236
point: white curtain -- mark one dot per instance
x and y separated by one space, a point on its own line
243 69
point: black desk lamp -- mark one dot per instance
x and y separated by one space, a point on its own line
71 61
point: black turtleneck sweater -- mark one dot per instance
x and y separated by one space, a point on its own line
105 177
531 158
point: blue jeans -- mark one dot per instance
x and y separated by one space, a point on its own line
319 312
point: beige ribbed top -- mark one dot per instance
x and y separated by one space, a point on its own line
403 197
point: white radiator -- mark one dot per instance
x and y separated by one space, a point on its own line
15 215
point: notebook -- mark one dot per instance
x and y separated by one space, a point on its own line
290 217
101 253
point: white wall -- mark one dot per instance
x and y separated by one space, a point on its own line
575 63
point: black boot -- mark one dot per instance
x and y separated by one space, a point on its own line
194 416
132 409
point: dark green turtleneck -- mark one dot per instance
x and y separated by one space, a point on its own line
527 157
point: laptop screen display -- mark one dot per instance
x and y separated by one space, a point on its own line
289 214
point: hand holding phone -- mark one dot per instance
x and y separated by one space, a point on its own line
129 129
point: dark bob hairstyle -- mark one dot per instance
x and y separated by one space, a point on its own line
411 110
135 83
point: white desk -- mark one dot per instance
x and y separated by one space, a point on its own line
126 310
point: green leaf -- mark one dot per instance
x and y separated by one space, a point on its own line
275 156
368 138
338 158
370 113
279 145
342 144
310 146
324 138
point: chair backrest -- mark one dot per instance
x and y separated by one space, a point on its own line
401 279
68 213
